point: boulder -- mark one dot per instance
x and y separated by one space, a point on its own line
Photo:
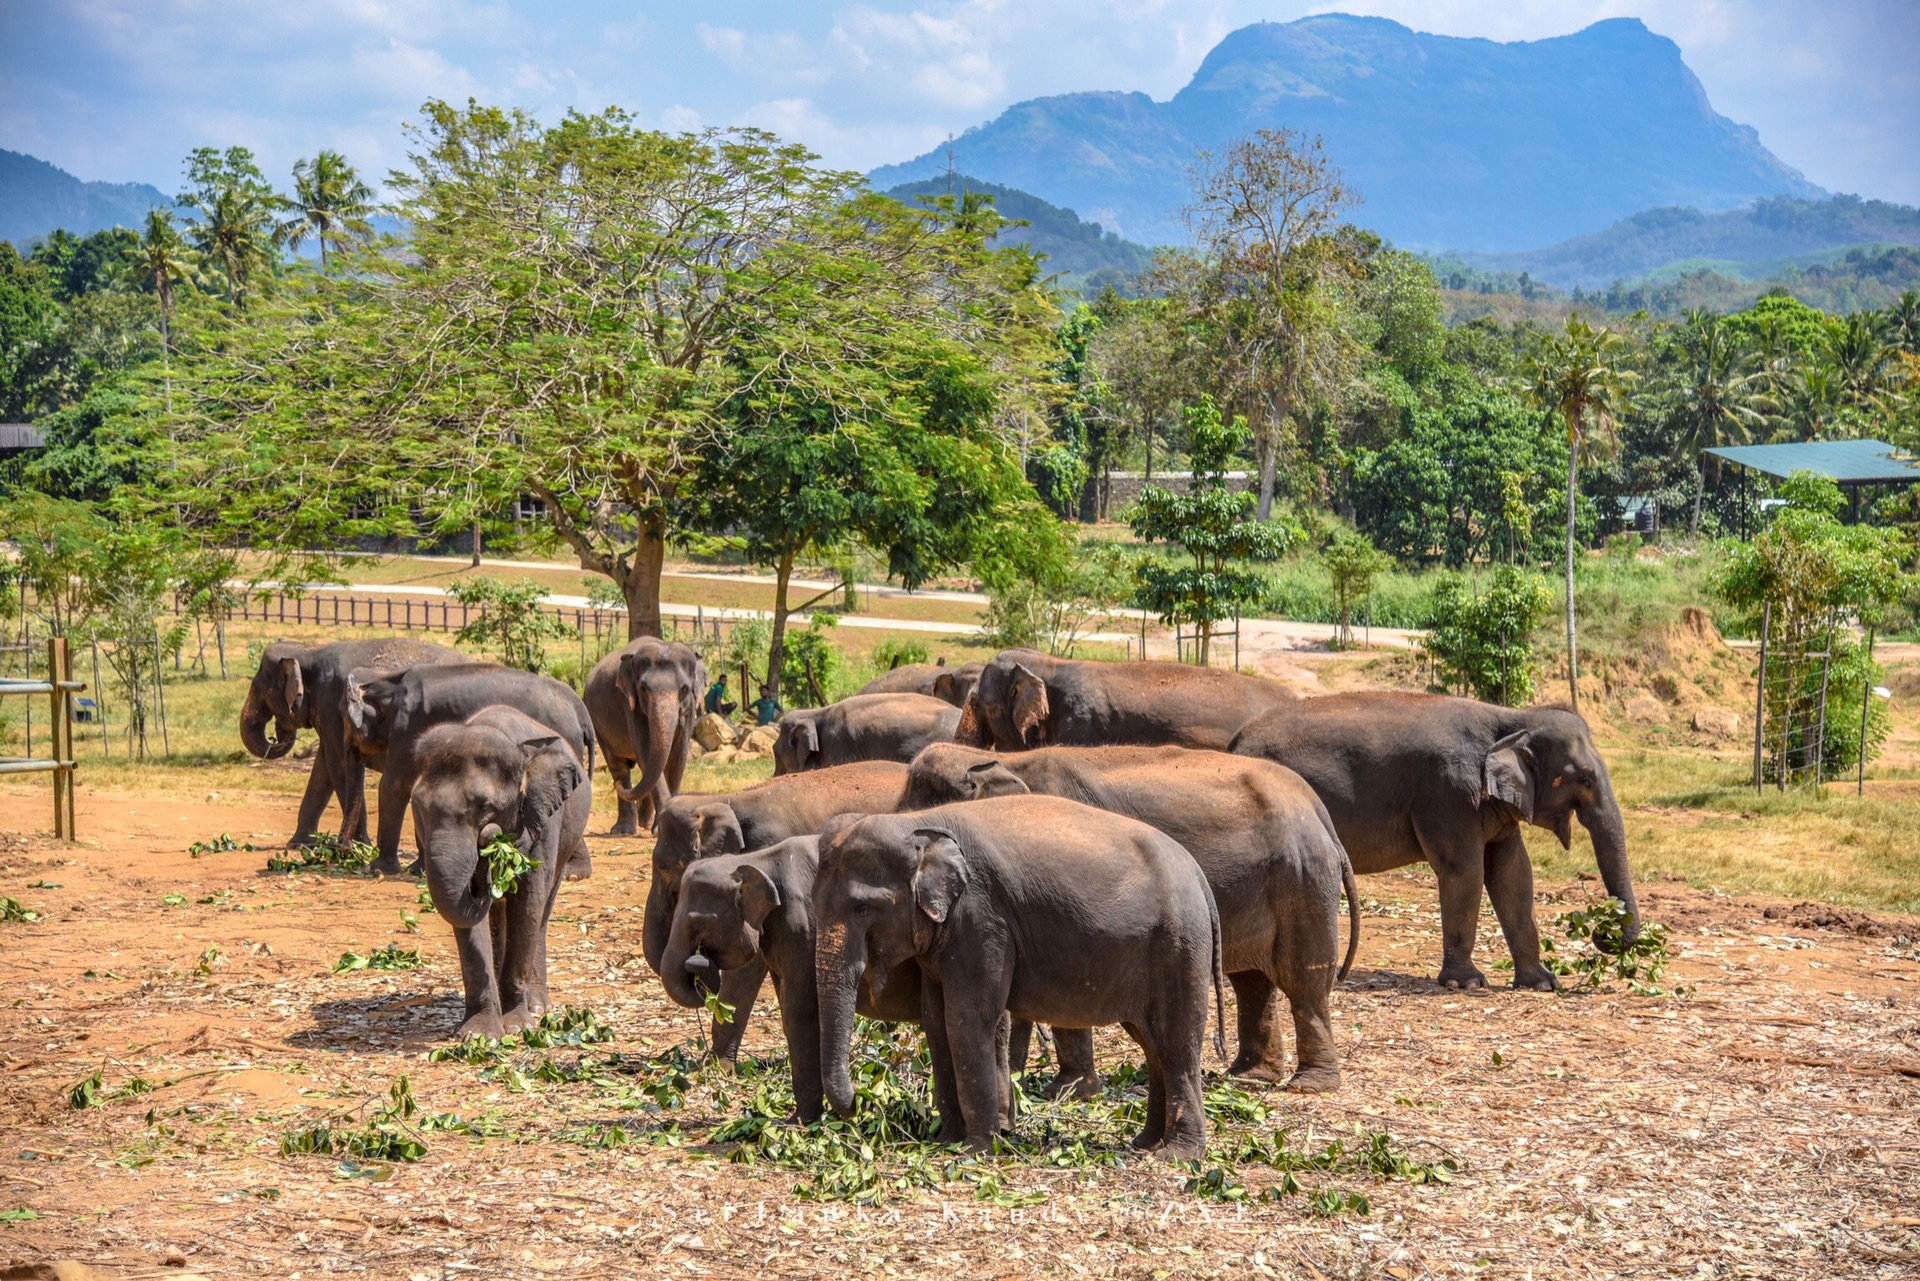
1645 709
760 738
694 750
713 732
722 756
1717 722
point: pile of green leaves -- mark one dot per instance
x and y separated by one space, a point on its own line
11 910
1595 951
387 1135
505 865
325 852
221 844
390 957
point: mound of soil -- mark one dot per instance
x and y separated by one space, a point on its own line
1846 920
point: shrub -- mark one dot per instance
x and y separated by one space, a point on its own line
1484 643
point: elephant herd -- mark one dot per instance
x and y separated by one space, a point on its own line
974 849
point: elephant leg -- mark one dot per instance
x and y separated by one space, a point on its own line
579 862
1183 1112
350 785
1156 1126
396 790
1019 1045
1078 1076
313 804
1263 1051
1510 886
738 988
627 819
972 1020
477 976
1003 1051
800 1022
946 1095
1459 862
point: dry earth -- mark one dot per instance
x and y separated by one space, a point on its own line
1763 1126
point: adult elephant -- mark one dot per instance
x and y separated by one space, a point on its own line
1269 853
300 687
1029 906
865 727
949 684
498 773
1028 699
696 826
1412 778
644 700
386 716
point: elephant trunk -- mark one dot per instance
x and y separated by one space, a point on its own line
840 959
673 968
654 743
1609 831
461 891
254 715
656 925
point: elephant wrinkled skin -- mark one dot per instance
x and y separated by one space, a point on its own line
865 727
948 684
644 700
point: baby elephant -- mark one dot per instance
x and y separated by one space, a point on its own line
1043 908
865 727
499 771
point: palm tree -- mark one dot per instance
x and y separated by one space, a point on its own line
1580 375
1717 395
1856 353
1809 402
1903 322
163 261
329 203
234 227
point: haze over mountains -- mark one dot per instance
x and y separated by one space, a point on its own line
36 197
1459 144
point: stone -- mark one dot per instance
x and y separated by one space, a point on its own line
722 756
713 732
694 750
760 738
1717 722
1645 709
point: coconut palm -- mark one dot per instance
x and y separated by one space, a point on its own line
163 262
233 226
1716 397
1856 353
1903 322
330 205
1581 376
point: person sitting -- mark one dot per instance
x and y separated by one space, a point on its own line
717 697
766 709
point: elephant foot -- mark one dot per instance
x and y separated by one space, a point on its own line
521 1018
1145 1141
389 865
487 1024
579 869
625 827
1074 1085
1463 976
1181 1150
950 1135
1249 1068
1314 1080
1540 980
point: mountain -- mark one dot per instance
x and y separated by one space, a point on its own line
1453 143
1085 255
36 198
1753 243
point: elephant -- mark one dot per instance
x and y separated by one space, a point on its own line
498 772
699 826
741 910
865 727
644 700
1270 856
1412 778
949 684
1028 699
1032 906
385 716
300 687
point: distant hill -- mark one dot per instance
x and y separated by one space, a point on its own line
36 198
1454 143
1084 254
1753 243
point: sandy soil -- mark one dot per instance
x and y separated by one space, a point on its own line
1763 1126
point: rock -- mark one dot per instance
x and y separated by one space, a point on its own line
712 731
695 751
1645 709
722 756
760 738
1717 722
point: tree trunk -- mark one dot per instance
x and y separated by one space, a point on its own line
1573 476
777 640
1699 491
642 585
1267 451
476 542
1149 449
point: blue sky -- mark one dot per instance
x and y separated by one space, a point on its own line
122 89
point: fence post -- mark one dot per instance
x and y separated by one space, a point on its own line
60 702
1866 700
160 696
1760 700
100 701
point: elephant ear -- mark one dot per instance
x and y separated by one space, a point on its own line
361 716
294 686
1509 773
993 778
623 681
717 832
1030 706
758 895
972 729
806 742
551 776
940 877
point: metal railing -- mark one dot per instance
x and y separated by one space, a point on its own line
60 689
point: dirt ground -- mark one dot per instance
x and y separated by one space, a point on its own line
1763 1126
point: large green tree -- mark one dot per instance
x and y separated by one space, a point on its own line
1715 392
329 205
232 224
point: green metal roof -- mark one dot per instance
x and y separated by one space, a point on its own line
1846 461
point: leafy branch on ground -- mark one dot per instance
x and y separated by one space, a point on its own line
325 852
1594 951
390 957
221 844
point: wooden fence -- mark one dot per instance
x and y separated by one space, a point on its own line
60 687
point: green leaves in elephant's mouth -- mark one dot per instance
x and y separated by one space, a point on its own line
505 864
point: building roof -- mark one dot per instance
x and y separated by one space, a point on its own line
20 436
1849 462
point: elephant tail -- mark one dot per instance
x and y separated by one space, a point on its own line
1353 912
1218 967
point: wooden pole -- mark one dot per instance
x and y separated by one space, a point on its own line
100 699
1760 700
60 701
1866 699
160 695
